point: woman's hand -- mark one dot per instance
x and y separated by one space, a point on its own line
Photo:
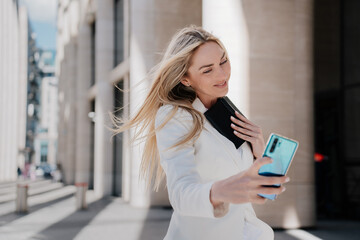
244 187
250 132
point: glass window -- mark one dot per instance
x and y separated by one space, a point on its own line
118 140
93 53
119 32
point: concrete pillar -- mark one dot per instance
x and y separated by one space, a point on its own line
152 25
60 74
23 60
22 198
226 20
281 98
82 104
9 80
269 45
61 122
70 113
104 48
126 150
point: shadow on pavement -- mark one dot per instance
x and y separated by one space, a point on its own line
70 226
10 217
156 223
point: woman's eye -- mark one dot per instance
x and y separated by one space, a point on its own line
223 62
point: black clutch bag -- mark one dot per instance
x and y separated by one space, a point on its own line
219 117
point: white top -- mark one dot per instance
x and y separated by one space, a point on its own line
190 172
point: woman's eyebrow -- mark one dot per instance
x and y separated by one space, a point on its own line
209 65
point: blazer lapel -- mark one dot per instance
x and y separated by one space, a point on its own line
227 145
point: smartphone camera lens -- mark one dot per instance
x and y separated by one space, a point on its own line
274 145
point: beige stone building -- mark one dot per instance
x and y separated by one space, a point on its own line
107 43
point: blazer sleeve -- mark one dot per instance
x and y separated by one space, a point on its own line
188 194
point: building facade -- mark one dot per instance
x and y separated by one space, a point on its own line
103 45
46 137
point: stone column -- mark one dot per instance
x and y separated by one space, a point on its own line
269 44
226 20
60 157
68 126
104 97
3 22
60 74
82 104
281 98
152 25
70 113
23 60
126 154
9 80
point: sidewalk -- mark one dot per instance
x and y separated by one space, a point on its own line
111 218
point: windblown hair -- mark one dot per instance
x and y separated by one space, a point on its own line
167 89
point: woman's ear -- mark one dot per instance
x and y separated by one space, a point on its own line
186 82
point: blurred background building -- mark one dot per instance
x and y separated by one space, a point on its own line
105 44
46 138
337 107
294 72
28 104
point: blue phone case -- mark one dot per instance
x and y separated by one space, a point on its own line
282 151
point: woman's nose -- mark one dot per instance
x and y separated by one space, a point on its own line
221 73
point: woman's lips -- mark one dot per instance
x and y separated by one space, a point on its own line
221 85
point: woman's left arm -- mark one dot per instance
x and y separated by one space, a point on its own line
247 130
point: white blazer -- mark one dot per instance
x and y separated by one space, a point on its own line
190 173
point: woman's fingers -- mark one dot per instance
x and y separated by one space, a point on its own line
263 180
244 124
259 163
244 131
244 119
258 199
270 190
243 136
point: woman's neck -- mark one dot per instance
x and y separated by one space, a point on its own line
208 102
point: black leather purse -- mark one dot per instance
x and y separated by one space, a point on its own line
219 117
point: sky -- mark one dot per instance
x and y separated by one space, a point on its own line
42 17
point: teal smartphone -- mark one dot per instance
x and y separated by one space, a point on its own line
282 151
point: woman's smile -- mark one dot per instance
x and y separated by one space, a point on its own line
221 85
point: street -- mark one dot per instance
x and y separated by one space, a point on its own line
53 216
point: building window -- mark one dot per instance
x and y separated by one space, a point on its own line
118 140
118 32
93 53
92 145
43 152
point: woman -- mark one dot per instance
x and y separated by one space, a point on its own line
211 184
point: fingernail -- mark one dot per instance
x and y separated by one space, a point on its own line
287 179
232 125
232 118
235 132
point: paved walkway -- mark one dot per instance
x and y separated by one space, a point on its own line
111 218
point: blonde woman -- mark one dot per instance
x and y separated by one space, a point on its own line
211 184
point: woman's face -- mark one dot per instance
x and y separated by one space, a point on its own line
209 73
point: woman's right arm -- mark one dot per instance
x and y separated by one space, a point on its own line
188 194
245 186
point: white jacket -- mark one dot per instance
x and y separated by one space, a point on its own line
190 173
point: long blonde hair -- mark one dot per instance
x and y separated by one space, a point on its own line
167 89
